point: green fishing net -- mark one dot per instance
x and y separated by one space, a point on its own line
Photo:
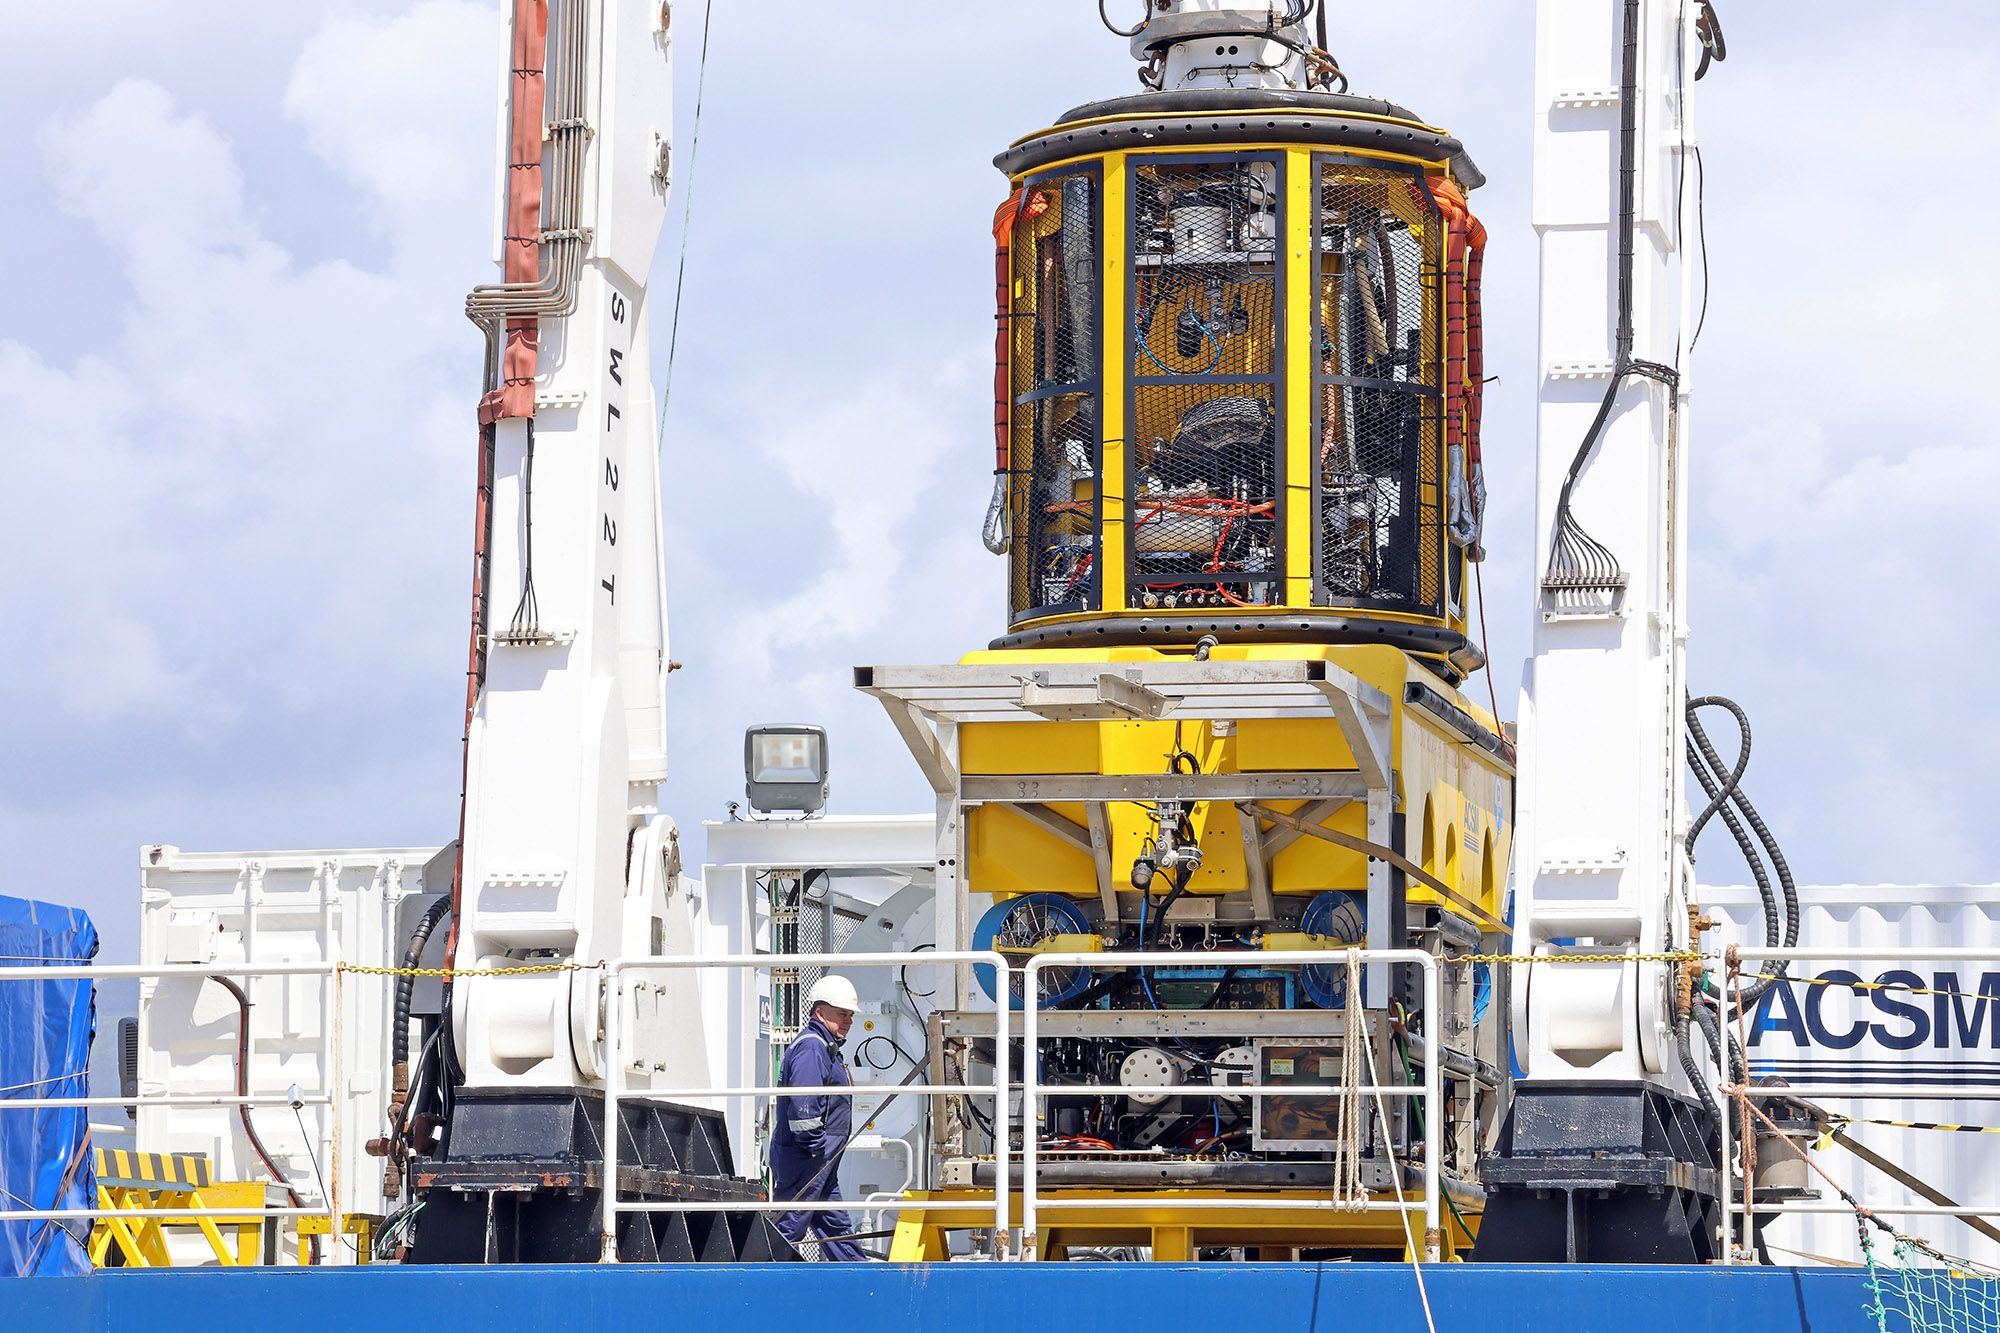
1918 1289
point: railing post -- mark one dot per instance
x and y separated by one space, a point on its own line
336 1079
1433 1108
1031 1091
614 1087
1725 1108
1002 1059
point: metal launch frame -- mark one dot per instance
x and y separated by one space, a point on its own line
927 705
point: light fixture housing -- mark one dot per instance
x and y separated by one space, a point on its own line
785 768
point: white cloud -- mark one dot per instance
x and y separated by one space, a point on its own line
865 471
236 508
385 102
153 182
1846 588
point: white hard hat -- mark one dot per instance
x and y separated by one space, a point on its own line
834 991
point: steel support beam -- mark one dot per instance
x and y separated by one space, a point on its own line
1042 789
923 743
1100 855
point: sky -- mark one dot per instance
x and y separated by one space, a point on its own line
237 400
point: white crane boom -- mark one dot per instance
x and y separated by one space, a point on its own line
1599 855
566 857
1607 1153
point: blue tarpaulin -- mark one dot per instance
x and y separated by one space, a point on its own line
45 1032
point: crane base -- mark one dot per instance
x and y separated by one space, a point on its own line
522 1171
1601 1173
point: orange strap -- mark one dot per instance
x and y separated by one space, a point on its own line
1020 205
1465 348
521 251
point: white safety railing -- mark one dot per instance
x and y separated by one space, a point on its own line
1431 1092
1732 1012
1010 1117
290 1097
616 1090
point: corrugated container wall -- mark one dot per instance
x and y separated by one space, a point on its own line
350 906
1819 1029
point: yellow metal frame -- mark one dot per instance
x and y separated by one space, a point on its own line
1055 944
1456 789
357 1225
1174 1232
1115 455
1298 377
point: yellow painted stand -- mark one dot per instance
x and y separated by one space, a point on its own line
354 1224
163 1184
1175 1233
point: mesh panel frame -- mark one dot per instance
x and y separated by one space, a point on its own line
1205 319
1055 445
1377 413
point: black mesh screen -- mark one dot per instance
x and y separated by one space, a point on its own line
1206 449
1379 480
1054 359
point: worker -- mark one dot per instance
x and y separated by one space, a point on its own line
812 1128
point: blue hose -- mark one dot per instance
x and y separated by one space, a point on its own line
1145 978
1140 335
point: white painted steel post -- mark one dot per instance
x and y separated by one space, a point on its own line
105 971
336 1078
192 1099
1031 1089
614 1087
1727 1107
1002 1040
327 1097
1433 1107
1431 1092
1900 953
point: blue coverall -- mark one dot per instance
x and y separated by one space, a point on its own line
808 1139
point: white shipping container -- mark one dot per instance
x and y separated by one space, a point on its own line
1834 1033
260 908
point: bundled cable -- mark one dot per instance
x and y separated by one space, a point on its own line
1778 892
1759 846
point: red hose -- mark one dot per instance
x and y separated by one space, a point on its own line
243 1109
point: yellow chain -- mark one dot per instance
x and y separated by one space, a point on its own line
525 968
1576 958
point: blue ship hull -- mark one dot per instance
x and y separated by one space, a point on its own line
963 1298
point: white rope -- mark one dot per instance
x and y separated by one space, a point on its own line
1350 1124
1395 1168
